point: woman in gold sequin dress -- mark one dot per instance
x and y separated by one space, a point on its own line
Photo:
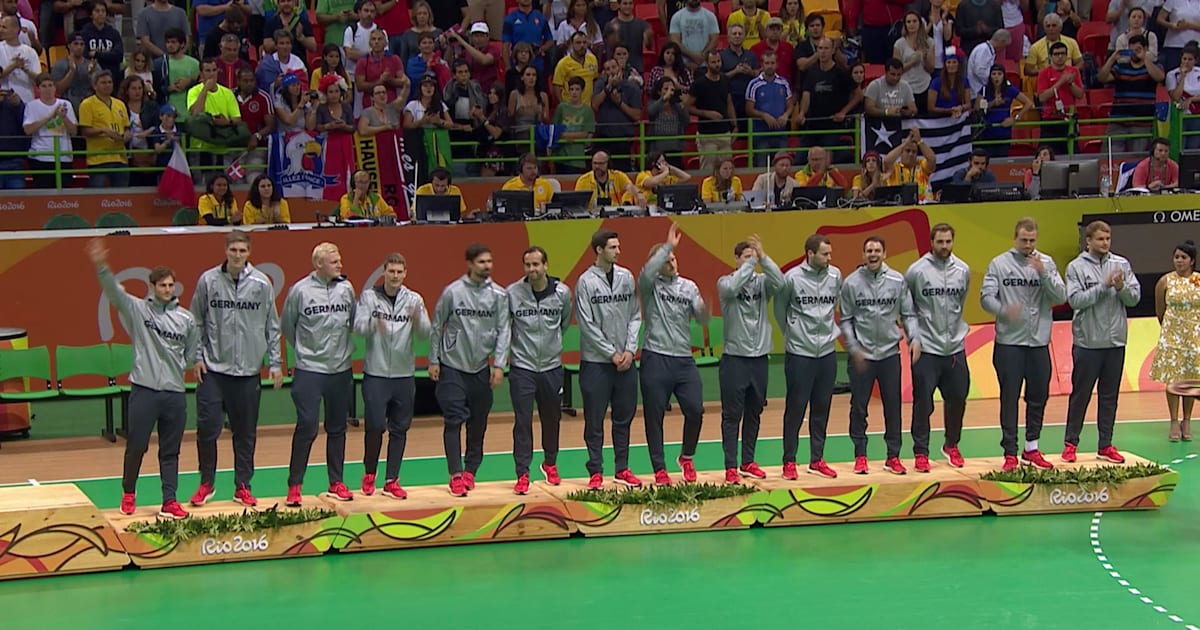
1177 303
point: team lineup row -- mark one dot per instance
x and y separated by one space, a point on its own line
479 330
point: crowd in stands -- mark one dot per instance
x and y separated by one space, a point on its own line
685 76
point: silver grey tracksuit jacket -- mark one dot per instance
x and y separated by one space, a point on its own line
1010 279
537 326
470 323
317 320
668 306
804 308
939 290
388 325
609 317
744 295
1100 319
238 321
871 302
165 336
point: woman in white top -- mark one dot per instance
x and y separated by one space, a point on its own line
1182 19
1014 22
1137 26
50 122
1184 85
915 50
578 20
941 29
427 109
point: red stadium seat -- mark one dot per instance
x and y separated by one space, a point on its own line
1093 38
873 71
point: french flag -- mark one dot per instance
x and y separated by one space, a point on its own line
176 182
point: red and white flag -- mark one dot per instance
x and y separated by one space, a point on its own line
176 182
236 171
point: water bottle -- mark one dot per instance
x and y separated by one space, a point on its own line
1105 184
771 194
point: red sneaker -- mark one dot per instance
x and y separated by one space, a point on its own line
752 470
550 471
662 478
822 469
1110 454
339 491
627 478
468 478
128 503
731 475
688 468
392 490
172 510
458 487
242 495
1010 463
1035 457
522 485
368 484
1069 452
952 454
596 482
921 463
894 466
789 471
202 494
293 496
860 465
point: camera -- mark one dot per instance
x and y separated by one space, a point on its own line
314 95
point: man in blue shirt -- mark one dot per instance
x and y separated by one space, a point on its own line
768 101
527 24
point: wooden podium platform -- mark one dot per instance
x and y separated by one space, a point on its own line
52 530
55 529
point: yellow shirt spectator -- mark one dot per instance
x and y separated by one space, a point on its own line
427 189
372 208
805 177
918 174
616 189
542 189
710 194
113 115
252 215
651 196
1039 53
568 67
756 27
210 205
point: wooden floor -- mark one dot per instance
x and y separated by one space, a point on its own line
87 457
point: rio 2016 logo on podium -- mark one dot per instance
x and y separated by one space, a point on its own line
1058 496
214 547
650 518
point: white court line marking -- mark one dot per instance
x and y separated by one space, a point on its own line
34 482
563 450
1106 563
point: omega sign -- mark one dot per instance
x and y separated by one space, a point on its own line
1058 496
1177 216
650 518
214 547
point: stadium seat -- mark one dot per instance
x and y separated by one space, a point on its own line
872 71
1093 37
115 220
30 363
66 221
94 361
186 216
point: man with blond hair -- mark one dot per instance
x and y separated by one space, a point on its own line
318 317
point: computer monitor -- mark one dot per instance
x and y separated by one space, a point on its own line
512 205
677 197
1062 179
814 197
960 192
755 199
439 208
902 195
1189 170
572 203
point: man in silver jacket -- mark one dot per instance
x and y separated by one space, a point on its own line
389 316
470 324
606 308
744 296
669 303
1021 287
317 319
234 306
165 339
939 282
805 307
1100 287
874 297
539 306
